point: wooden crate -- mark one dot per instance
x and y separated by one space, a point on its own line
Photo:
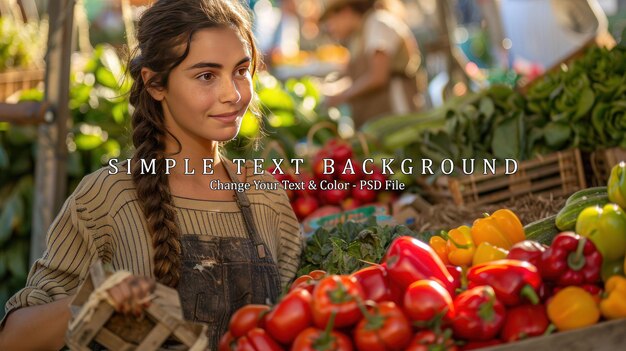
16 80
560 173
162 321
604 336
602 161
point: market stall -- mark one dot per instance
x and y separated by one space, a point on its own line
492 220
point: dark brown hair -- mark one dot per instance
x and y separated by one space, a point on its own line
163 29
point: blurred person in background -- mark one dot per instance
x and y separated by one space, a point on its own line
384 58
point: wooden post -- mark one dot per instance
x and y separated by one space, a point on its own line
50 170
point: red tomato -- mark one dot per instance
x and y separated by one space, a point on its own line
243 344
246 319
427 340
261 341
339 294
385 328
290 316
303 281
313 339
317 274
225 342
426 299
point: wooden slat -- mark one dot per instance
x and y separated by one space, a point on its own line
557 172
113 341
599 337
85 332
155 338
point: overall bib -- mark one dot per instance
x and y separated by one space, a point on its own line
220 275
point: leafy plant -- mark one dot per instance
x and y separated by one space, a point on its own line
100 120
347 247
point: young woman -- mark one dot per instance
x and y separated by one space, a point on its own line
220 248
384 61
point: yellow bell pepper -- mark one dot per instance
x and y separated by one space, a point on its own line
502 229
573 308
614 306
485 252
460 246
438 244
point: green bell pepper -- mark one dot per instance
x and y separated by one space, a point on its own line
617 185
611 268
606 227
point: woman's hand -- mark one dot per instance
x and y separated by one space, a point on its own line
132 295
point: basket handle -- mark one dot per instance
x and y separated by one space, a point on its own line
316 128
280 150
360 136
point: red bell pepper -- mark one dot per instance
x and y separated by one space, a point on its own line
525 321
409 260
512 280
256 340
375 283
479 314
571 260
457 275
528 251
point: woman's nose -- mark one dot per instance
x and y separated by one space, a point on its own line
229 92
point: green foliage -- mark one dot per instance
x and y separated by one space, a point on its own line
21 44
348 247
99 131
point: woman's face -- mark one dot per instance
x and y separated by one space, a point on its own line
209 92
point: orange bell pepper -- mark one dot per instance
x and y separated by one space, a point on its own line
438 244
573 308
502 229
460 246
614 305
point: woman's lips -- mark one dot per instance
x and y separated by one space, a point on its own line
228 117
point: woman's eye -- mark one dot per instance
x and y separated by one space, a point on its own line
206 76
242 71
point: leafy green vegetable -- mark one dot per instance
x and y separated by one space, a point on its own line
348 247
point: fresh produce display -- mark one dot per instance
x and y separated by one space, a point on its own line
367 287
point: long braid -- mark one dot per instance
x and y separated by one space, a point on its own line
153 189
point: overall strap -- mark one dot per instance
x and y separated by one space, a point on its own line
244 204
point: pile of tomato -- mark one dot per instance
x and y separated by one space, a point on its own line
338 181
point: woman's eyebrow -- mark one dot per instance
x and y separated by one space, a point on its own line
216 65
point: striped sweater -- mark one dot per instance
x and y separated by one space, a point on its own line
103 219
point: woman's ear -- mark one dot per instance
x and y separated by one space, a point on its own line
157 93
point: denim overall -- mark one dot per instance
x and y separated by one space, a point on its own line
220 275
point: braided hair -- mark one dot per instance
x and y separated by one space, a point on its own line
163 28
